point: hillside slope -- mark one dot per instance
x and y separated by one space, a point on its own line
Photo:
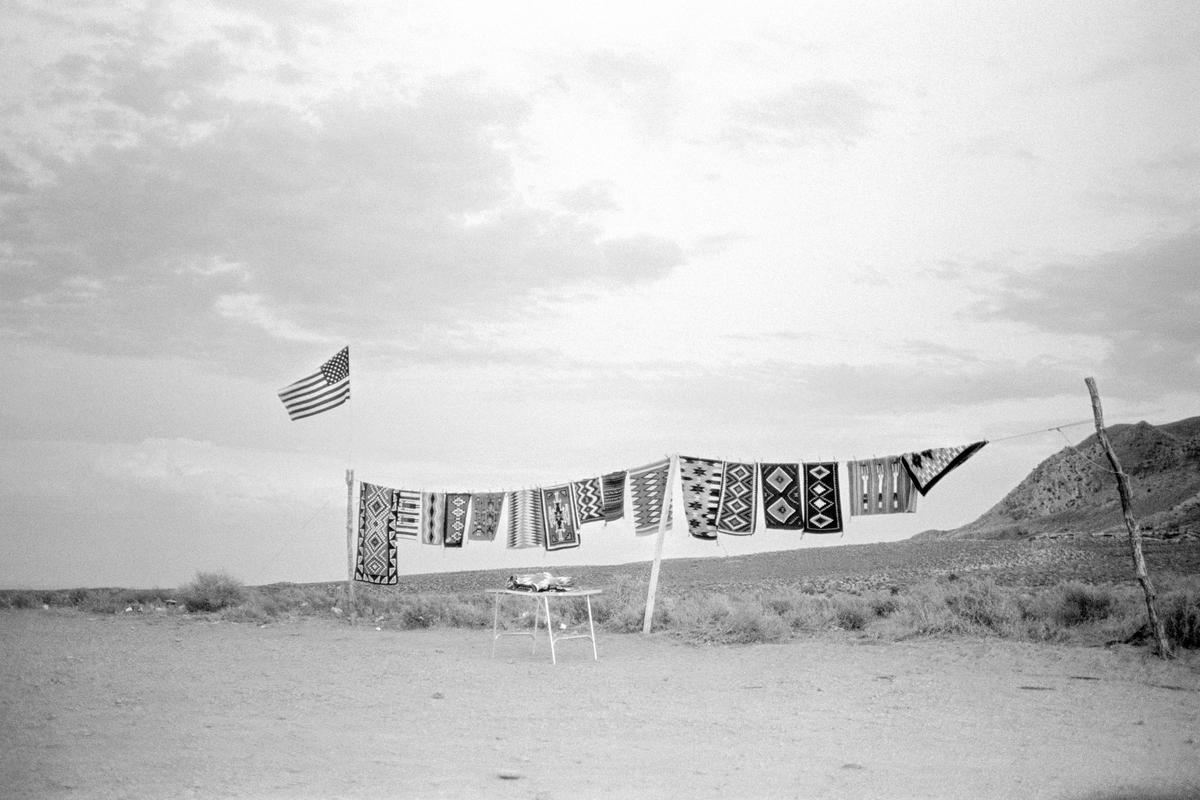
1074 491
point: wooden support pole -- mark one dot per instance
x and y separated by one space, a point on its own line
350 598
668 498
1135 536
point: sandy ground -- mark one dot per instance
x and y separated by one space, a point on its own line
178 707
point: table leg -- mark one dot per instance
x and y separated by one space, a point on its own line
536 612
495 623
550 629
592 628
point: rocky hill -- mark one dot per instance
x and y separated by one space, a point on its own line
1074 492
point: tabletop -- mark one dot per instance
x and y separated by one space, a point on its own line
568 593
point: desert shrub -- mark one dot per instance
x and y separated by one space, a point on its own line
851 612
747 623
212 591
884 605
1081 602
981 604
1180 612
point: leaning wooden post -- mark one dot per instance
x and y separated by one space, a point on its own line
350 598
1135 535
668 497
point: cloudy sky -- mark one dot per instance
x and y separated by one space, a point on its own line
561 239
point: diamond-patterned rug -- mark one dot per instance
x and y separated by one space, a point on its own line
735 514
782 506
457 506
376 560
822 505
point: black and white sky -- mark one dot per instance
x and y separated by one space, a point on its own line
561 240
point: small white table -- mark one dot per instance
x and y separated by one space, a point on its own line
541 602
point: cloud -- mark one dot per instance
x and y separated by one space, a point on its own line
1142 301
370 212
826 112
646 87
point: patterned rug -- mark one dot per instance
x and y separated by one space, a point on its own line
701 478
614 495
433 517
735 513
376 561
927 467
457 505
822 504
561 530
525 524
880 486
647 487
588 500
782 506
405 517
485 516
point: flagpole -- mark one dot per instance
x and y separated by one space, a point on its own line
351 599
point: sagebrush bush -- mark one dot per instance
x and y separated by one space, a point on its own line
1081 602
982 604
1180 612
212 591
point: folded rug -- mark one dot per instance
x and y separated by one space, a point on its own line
927 467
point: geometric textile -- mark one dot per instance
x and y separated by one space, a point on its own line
735 514
561 531
456 518
927 467
782 506
701 479
433 517
485 516
614 495
405 519
588 501
822 506
326 388
648 487
376 562
525 524
880 486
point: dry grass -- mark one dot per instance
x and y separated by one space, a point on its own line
981 588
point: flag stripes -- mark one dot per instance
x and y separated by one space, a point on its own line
325 389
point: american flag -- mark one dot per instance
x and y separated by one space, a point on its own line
326 388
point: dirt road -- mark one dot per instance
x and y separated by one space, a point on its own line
177 707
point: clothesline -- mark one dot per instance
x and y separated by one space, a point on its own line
1042 430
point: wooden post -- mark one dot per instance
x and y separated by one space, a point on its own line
1135 535
668 498
350 598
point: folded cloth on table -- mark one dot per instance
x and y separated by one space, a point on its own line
540 582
